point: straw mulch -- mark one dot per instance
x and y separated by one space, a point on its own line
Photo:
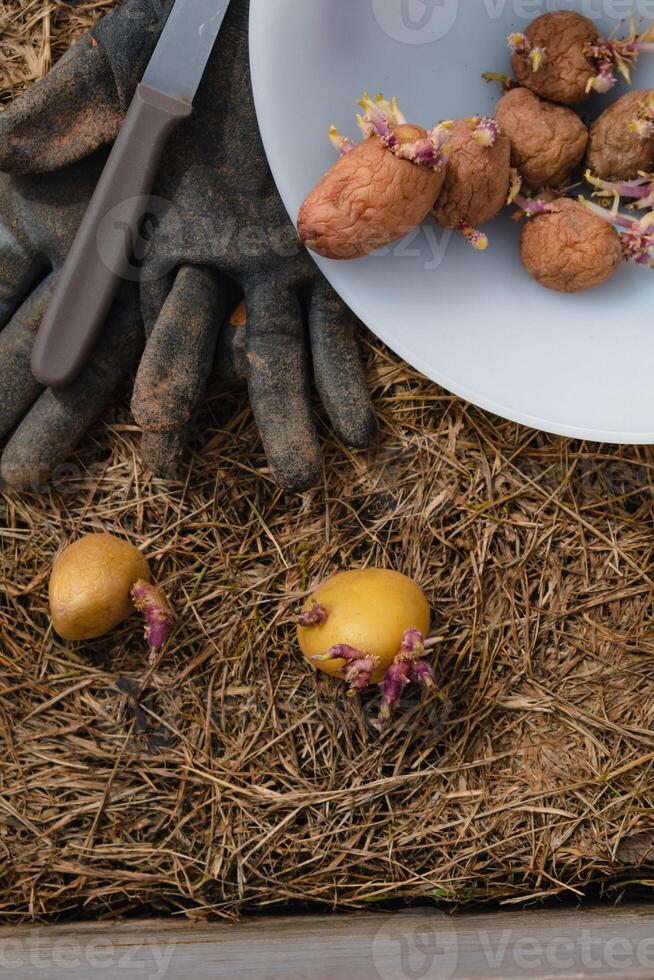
229 777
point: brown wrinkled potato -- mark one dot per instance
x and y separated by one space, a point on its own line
567 68
615 153
476 180
570 250
368 199
547 141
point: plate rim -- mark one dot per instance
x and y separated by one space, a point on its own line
610 437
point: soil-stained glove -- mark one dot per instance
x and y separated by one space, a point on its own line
221 228
38 219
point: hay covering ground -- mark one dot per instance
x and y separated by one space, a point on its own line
229 777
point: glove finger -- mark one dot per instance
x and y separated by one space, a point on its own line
338 369
20 272
177 362
64 116
52 428
231 365
154 293
278 382
17 383
161 451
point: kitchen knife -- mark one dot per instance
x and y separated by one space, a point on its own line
101 253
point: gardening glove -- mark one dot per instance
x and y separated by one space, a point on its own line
220 229
38 219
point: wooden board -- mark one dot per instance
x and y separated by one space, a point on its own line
417 945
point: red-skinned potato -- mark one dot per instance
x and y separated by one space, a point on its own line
570 249
477 178
368 626
547 141
561 57
379 190
622 139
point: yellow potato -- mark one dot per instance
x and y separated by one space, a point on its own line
90 586
369 609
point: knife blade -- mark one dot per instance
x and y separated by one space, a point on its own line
102 250
182 52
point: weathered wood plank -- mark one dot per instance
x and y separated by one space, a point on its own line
417 945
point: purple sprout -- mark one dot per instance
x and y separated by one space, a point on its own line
637 234
487 130
477 239
519 44
342 144
408 665
605 79
638 240
640 190
614 56
422 673
157 612
432 151
530 207
379 118
315 616
359 666
396 679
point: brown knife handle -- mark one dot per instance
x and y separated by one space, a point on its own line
102 250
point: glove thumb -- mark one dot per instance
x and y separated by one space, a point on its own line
64 117
81 103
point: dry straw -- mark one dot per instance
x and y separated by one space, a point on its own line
229 777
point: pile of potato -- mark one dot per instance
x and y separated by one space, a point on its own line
465 171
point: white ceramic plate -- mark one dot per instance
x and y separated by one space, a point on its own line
474 322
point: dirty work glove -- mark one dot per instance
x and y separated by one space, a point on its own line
38 219
220 224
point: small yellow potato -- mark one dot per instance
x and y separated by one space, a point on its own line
368 610
90 586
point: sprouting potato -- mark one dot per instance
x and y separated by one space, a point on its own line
553 56
368 626
477 178
562 57
622 139
547 141
570 249
99 581
380 189
90 586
